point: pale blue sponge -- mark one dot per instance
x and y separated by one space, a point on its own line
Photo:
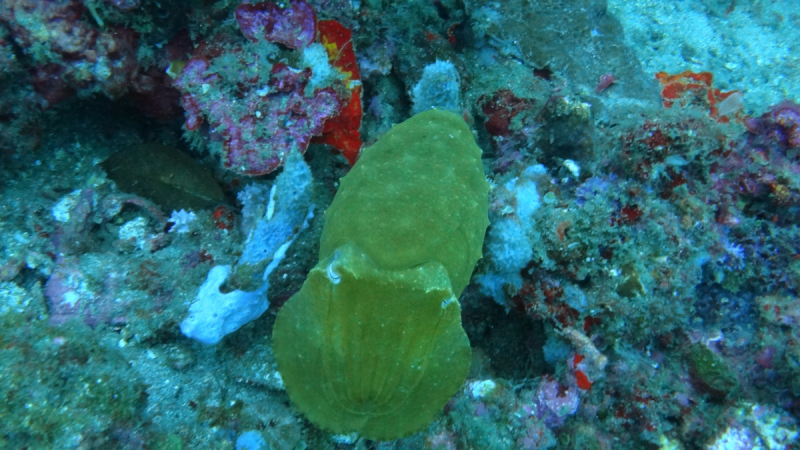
214 314
251 440
438 88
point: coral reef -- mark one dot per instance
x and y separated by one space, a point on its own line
260 107
69 55
197 253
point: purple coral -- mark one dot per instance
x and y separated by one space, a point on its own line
67 292
554 401
73 294
72 291
293 26
781 124
761 170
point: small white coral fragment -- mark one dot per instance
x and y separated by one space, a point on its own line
181 220
482 388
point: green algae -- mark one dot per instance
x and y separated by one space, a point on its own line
373 342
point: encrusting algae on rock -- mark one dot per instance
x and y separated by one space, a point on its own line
373 342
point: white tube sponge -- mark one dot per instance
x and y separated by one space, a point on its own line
290 198
213 315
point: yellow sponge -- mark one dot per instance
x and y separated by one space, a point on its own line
373 342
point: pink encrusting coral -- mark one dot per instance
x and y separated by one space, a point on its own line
268 120
76 289
257 107
73 294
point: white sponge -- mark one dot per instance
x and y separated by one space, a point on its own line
213 315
